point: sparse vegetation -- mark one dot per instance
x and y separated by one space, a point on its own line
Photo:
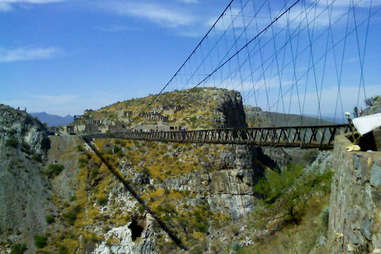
12 142
71 216
289 191
50 219
54 170
26 148
37 157
18 248
40 241
102 201
63 250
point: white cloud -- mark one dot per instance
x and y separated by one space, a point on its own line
319 17
27 54
7 5
249 86
348 3
328 100
116 28
30 1
153 12
228 21
63 104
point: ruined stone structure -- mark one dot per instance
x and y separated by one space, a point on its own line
154 116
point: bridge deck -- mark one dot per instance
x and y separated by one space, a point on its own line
296 136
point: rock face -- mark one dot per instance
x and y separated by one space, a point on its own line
228 190
23 189
355 206
374 106
232 109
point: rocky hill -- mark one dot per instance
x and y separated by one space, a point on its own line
256 117
58 196
24 190
198 108
193 189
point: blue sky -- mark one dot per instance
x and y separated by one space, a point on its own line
63 56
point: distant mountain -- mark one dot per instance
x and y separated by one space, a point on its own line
257 118
53 120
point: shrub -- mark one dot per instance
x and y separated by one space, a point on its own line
236 247
289 191
40 241
71 215
117 149
310 156
54 170
18 249
80 148
120 154
63 250
37 157
12 142
26 148
325 217
83 162
50 219
102 201
94 173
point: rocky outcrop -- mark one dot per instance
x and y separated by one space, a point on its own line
122 240
24 191
374 106
355 206
231 107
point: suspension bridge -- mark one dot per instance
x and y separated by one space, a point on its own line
316 58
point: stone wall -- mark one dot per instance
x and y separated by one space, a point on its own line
355 206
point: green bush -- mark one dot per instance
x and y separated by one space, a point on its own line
117 149
102 201
94 173
71 215
50 219
40 241
63 250
289 191
80 148
37 157
26 148
54 170
73 198
310 156
83 162
18 249
12 142
325 217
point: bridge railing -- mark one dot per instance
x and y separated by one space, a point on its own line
297 136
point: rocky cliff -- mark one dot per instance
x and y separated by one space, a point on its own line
198 108
80 207
24 190
355 205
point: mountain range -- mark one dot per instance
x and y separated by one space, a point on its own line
53 120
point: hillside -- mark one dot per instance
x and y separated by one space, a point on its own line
193 189
24 190
256 117
57 196
199 108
